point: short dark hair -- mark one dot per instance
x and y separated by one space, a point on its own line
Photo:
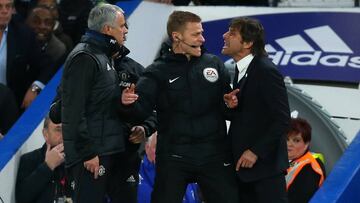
46 122
251 30
301 126
178 19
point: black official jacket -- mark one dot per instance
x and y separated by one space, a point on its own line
188 98
90 94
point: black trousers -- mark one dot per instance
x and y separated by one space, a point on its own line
216 179
268 190
86 188
125 187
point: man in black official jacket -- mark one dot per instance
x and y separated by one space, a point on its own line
92 131
186 87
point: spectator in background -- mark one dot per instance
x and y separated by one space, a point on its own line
73 15
58 29
306 172
147 176
41 21
23 68
9 111
260 115
41 175
215 2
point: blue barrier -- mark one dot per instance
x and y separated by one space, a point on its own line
28 122
343 183
128 6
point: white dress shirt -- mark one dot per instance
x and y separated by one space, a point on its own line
243 64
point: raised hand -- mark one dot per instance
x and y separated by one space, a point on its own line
128 95
55 156
230 99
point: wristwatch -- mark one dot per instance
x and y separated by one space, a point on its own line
36 89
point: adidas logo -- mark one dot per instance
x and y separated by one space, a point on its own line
131 179
299 50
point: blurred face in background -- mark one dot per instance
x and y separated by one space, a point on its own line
296 145
51 5
41 22
6 10
53 134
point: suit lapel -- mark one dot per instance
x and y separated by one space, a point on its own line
242 83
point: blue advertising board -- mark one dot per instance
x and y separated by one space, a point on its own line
320 46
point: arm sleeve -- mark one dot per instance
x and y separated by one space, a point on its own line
76 87
32 178
147 89
150 124
274 97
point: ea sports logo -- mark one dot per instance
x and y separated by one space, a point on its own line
211 74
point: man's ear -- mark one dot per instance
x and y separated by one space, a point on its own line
248 45
106 29
45 134
175 36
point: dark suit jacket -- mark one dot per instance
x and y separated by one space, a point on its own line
25 62
260 121
9 111
36 182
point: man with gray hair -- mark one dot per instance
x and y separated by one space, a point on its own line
93 134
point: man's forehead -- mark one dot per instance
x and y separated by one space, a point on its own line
193 27
4 2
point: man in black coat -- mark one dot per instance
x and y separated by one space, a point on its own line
186 87
24 69
41 175
260 115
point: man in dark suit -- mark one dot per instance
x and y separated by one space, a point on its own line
23 68
259 115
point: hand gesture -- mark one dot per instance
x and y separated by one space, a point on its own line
128 95
55 156
247 160
93 166
230 99
137 134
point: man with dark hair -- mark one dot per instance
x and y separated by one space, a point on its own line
260 115
41 21
186 88
93 133
41 175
